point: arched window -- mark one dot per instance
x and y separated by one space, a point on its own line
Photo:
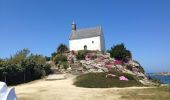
85 47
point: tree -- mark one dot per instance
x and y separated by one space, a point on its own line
119 52
23 67
62 48
53 55
19 56
47 58
39 59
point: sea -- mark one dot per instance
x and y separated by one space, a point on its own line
163 79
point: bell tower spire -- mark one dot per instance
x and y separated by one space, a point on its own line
73 26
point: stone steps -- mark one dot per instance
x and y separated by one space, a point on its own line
76 69
55 71
56 77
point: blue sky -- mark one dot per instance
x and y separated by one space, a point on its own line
41 25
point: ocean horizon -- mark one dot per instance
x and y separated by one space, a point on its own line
164 79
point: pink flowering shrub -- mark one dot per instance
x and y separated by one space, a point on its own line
123 78
118 62
109 64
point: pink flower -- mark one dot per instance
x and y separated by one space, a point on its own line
118 62
108 66
123 78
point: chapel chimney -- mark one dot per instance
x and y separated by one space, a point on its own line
73 26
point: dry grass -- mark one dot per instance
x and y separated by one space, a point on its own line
158 93
65 90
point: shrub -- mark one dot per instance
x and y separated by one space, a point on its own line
62 48
129 67
129 76
81 54
47 58
19 68
65 64
119 52
60 58
53 55
47 69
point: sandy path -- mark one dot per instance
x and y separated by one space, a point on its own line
64 90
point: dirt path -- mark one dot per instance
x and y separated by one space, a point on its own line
64 90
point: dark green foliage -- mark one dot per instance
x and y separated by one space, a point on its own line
62 48
23 67
155 80
60 58
47 58
99 80
53 54
119 52
129 67
65 64
81 54
47 68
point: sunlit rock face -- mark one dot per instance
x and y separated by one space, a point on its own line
7 93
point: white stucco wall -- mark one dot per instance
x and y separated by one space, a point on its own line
79 44
102 40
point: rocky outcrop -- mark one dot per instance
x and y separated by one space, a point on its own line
98 62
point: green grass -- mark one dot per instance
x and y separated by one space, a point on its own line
157 93
99 80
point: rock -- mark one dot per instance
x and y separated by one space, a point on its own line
91 70
134 64
100 70
104 69
120 67
146 82
165 84
98 62
56 77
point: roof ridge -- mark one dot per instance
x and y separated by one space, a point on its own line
86 32
88 28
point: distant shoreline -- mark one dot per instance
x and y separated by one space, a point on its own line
160 74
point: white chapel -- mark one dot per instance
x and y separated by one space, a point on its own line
86 39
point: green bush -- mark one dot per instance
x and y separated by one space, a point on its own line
81 54
129 67
53 54
47 68
23 67
99 80
60 58
119 52
65 65
62 48
47 58
129 76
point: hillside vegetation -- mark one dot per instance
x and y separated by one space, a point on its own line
100 80
23 67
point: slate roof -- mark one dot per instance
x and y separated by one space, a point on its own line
86 33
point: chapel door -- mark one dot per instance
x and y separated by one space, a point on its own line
85 47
